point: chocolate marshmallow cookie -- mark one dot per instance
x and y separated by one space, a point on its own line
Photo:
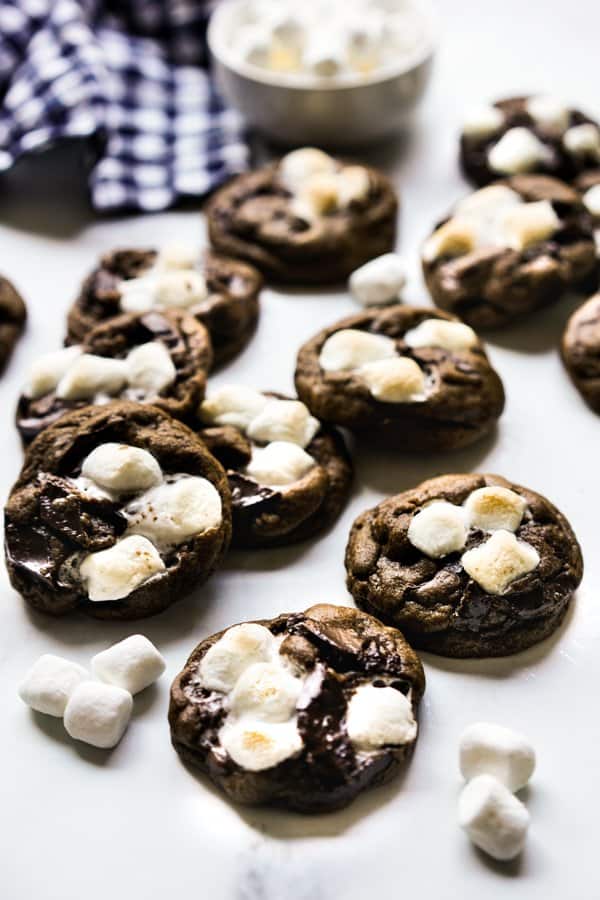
304 711
221 293
13 314
157 357
510 249
465 565
521 135
308 219
410 378
118 511
289 475
581 350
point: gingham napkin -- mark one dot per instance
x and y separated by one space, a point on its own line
130 76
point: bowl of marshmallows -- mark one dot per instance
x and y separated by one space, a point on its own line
336 73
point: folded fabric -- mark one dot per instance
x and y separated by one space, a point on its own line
129 76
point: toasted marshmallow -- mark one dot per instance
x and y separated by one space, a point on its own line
591 200
178 255
266 691
483 122
517 151
279 463
133 664
379 281
488 749
115 573
351 348
121 468
549 112
284 420
493 508
583 140
377 716
455 237
398 380
49 684
46 371
90 375
150 368
233 404
494 819
256 746
530 224
453 336
239 648
298 166
319 196
173 512
180 288
498 562
98 714
354 184
438 529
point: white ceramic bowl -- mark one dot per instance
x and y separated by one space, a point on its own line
296 109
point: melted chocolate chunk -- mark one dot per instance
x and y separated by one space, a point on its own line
90 522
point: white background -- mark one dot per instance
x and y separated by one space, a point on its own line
80 824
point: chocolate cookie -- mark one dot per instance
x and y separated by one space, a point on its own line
13 314
118 511
526 135
580 349
406 377
308 219
157 357
289 475
509 249
465 565
304 711
221 293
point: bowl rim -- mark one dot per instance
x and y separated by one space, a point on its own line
220 50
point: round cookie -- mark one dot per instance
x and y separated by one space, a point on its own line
13 314
510 249
157 357
221 293
304 711
406 377
465 565
580 350
289 475
118 512
308 219
527 135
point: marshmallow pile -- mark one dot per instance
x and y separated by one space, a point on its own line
161 511
495 762
319 184
96 712
389 376
495 216
329 40
175 280
262 692
441 528
279 430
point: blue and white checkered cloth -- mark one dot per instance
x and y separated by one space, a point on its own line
129 76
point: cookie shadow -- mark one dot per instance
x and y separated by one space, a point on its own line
263 559
539 332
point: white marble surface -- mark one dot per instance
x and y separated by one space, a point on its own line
80 823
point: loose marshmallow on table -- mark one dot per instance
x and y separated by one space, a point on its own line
98 714
279 463
518 151
379 281
351 348
438 529
238 648
591 200
379 715
398 380
530 224
46 371
483 122
549 112
494 819
502 559
49 684
133 664
114 573
284 420
233 405
493 508
488 749
121 468
583 140
89 375
439 333
175 511
150 368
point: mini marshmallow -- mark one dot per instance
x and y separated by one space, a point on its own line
549 112
453 336
121 468
530 224
254 45
180 288
350 349
494 819
493 508
591 200
502 559
284 420
455 237
483 207
288 30
483 122
138 295
267 692
49 684
133 664
298 166
46 371
173 512
438 529
353 184
517 151
323 56
114 573
319 196
399 380
150 368
364 38
377 716
178 255
90 375
98 714
239 648
583 140
488 749
379 281
234 405
279 463
256 746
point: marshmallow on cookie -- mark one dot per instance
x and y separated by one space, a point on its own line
320 185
